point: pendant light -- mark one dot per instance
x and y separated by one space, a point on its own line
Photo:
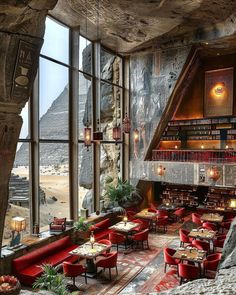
116 131
98 135
126 124
87 129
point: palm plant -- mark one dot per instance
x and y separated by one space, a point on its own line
122 192
51 280
81 225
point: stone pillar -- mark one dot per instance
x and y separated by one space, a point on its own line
22 25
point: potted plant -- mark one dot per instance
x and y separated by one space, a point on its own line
121 192
82 229
51 280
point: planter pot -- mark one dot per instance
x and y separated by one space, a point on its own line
82 235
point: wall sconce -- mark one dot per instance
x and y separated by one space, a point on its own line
214 173
136 135
226 147
161 170
18 224
176 147
219 89
202 147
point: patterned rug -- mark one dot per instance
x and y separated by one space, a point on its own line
138 270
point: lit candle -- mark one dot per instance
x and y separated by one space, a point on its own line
92 239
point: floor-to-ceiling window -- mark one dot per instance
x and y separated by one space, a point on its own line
52 136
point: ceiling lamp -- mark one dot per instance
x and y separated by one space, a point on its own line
161 170
214 173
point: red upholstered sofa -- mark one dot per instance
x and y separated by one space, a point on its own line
27 267
101 229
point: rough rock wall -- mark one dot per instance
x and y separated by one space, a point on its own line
21 32
153 78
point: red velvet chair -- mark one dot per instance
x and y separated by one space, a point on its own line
168 259
154 210
58 224
74 270
183 235
188 272
141 237
143 224
106 242
196 218
110 261
225 225
210 265
162 213
201 245
219 242
161 221
117 239
152 206
130 214
179 214
209 226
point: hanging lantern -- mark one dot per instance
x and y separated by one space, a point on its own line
116 133
136 135
97 135
126 124
87 136
214 173
161 170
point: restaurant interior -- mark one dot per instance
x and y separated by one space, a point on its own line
117 147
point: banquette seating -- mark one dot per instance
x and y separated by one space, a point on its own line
28 267
101 229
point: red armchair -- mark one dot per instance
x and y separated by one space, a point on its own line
106 242
209 226
168 259
183 235
141 237
196 218
154 210
143 224
219 242
130 214
161 221
110 261
201 245
58 224
188 272
74 270
179 214
210 265
117 239
225 225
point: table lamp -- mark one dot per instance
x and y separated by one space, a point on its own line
18 224
125 219
92 239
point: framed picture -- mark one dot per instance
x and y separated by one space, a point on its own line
218 98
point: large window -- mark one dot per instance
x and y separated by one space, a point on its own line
51 145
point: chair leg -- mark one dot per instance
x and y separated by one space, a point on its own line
110 274
147 244
165 267
85 277
116 270
142 246
117 247
73 281
181 281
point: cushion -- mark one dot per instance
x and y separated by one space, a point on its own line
59 221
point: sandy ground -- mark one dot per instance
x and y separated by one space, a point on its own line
56 185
